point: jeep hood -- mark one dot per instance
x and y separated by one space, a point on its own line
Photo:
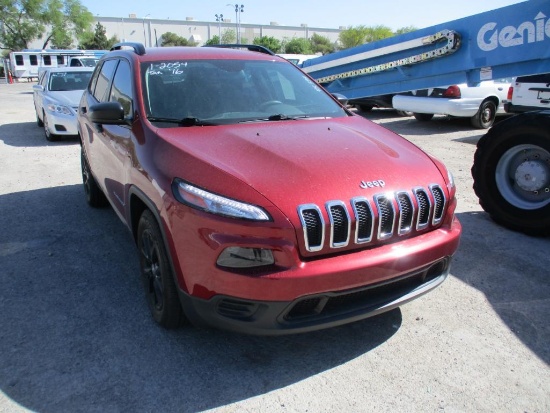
304 161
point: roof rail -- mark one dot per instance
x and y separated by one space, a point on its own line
251 47
138 47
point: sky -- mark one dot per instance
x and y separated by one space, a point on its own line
394 14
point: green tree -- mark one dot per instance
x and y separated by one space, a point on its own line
298 46
270 42
377 33
68 19
22 23
55 21
356 36
321 44
352 36
406 29
229 36
97 40
213 40
172 39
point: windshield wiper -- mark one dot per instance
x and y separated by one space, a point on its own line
281 116
277 117
194 122
158 119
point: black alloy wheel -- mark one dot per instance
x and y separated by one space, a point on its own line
157 275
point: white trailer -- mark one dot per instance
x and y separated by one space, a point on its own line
26 63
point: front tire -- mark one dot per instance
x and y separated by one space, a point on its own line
511 174
38 120
485 116
50 137
156 274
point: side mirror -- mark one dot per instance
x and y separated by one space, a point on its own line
107 113
38 88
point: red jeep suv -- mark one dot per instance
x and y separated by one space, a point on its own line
258 202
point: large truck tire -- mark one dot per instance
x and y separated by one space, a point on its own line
511 173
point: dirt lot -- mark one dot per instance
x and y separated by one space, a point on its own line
76 335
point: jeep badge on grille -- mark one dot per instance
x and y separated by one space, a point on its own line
372 184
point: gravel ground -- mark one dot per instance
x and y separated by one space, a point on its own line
76 335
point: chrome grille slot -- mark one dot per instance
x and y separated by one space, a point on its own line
386 216
409 210
364 220
439 203
406 213
424 208
339 224
313 225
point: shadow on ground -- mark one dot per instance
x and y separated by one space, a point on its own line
76 333
511 269
29 134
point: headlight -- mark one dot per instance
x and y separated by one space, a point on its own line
451 179
60 109
216 204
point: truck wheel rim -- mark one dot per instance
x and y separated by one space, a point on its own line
523 176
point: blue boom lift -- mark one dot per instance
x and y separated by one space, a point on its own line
511 169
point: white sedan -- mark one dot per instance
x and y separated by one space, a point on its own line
479 103
56 98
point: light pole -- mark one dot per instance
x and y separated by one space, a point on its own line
144 36
219 19
238 11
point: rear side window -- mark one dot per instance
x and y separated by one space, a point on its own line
47 60
19 60
103 79
542 78
33 59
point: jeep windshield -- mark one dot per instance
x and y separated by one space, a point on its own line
216 92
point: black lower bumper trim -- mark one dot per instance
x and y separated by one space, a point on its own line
313 312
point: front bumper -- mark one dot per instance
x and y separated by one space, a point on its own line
319 293
61 124
317 311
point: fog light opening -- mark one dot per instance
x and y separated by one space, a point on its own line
241 257
437 270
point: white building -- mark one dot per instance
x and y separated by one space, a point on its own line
150 31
